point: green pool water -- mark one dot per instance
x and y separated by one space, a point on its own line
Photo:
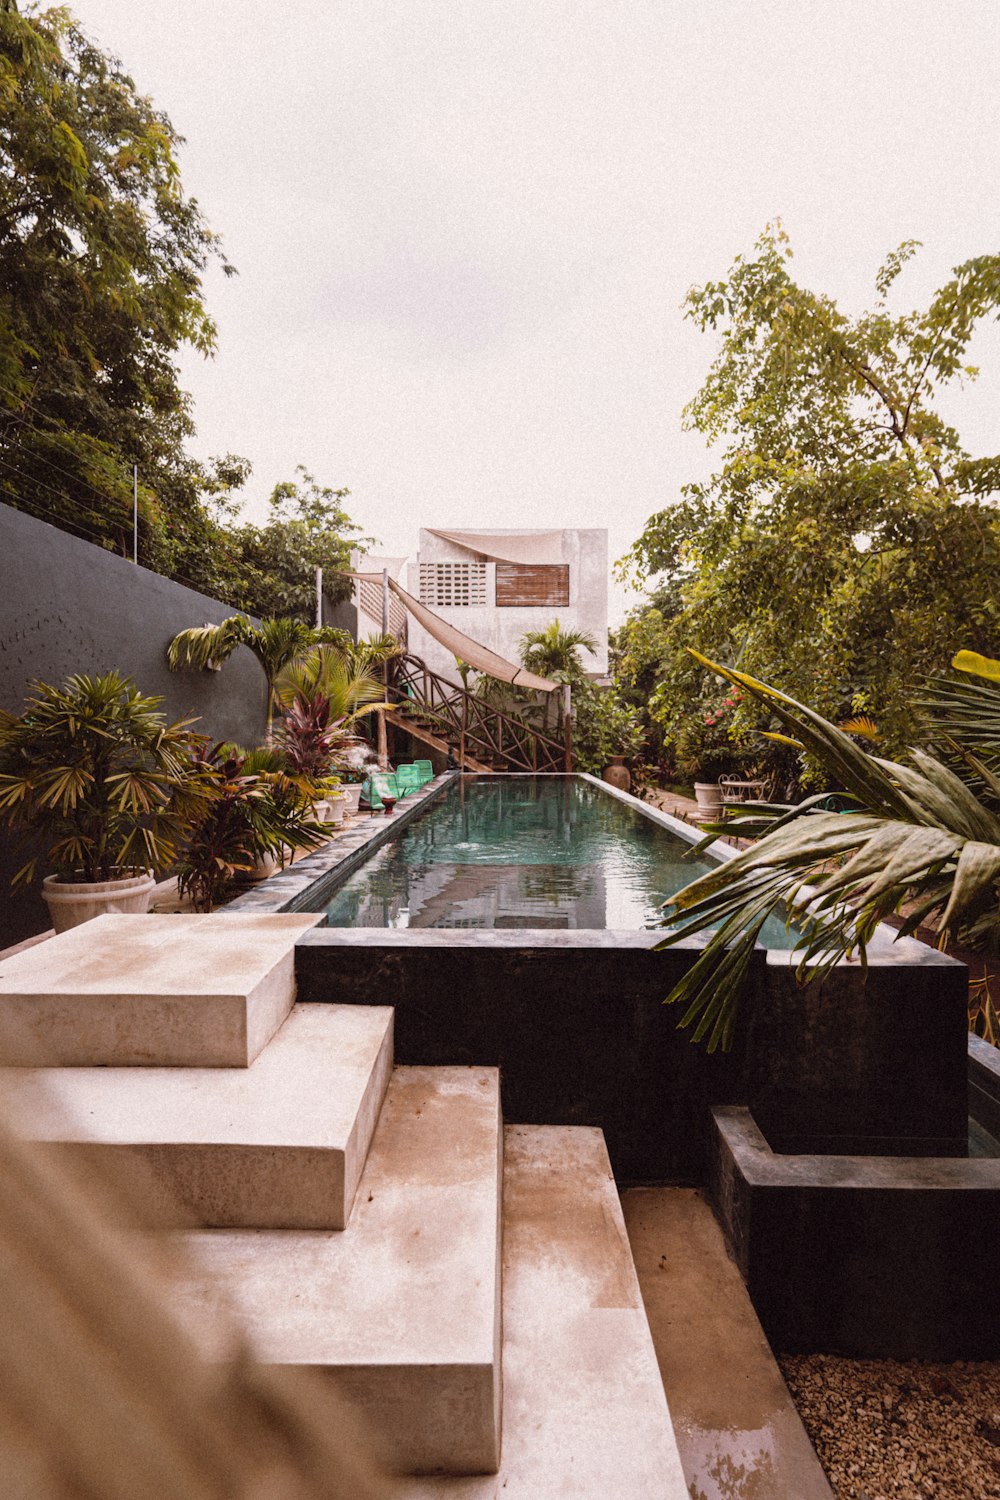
518 852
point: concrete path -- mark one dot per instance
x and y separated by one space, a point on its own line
738 1432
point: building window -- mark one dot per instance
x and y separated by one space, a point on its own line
533 585
452 585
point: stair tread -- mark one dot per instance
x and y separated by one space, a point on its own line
584 1411
412 1278
302 1090
158 990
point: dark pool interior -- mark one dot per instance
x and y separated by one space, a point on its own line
524 852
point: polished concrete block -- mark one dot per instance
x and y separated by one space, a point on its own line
585 1416
401 1310
737 1427
152 991
875 1257
281 1144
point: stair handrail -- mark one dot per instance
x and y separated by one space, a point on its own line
495 732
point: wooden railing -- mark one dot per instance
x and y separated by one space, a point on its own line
476 728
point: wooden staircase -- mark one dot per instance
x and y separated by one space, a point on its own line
480 736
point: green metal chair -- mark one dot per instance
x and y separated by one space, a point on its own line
425 769
408 779
382 784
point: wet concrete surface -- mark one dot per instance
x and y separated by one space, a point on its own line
738 1432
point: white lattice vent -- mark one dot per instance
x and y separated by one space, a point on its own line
451 585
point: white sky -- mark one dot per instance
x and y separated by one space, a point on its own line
464 231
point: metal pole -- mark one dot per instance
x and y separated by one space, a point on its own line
135 513
568 726
385 601
319 598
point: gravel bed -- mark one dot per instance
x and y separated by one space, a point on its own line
901 1431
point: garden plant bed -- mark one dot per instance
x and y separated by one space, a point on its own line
886 1430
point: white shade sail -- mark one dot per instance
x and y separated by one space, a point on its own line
517 547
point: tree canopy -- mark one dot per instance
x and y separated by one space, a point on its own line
847 540
102 255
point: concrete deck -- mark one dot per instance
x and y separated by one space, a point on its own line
153 991
401 1309
739 1434
584 1412
278 1145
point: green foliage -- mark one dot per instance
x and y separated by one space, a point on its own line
276 643
554 653
847 537
706 744
101 259
95 769
603 725
255 809
307 528
921 834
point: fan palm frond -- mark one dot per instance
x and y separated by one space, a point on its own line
920 831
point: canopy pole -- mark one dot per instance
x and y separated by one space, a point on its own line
319 598
568 726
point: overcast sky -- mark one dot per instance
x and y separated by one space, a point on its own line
464 230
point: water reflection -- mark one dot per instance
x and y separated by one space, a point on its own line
511 852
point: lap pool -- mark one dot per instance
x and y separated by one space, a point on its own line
526 852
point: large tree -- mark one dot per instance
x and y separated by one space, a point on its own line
847 541
101 258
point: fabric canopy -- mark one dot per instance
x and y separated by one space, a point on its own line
519 547
480 657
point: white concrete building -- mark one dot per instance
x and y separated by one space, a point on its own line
496 585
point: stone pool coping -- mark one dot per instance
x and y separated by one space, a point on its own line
339 858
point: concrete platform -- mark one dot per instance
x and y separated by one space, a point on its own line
153 991
737 1428
584 1412
278 1145
401 1309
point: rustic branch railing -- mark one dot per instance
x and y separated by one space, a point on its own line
479 729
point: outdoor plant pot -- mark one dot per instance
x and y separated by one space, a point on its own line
264 866
351 794
330 810
71 902
708 795
617 774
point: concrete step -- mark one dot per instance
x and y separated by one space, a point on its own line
402 1309
153 991
585 1417
737 1427
280 1144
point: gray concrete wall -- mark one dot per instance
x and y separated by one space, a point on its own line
69 606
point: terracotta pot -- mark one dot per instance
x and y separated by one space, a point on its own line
71 902
708 795
617 774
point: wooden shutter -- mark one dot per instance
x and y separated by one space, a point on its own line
533 585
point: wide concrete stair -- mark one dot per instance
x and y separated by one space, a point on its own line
470 1290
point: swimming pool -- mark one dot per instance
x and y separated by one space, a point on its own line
523 852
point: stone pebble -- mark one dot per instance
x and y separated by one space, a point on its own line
894 1430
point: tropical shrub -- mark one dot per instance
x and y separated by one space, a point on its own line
925 833
95 770
256 809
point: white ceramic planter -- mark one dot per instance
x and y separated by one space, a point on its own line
351 793
71 902
708 795
330 810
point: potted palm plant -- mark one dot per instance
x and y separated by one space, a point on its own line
93 769
321 697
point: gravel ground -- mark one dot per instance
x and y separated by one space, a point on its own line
890 1431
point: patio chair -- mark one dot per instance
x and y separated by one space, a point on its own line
425 769
382 784
408 779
